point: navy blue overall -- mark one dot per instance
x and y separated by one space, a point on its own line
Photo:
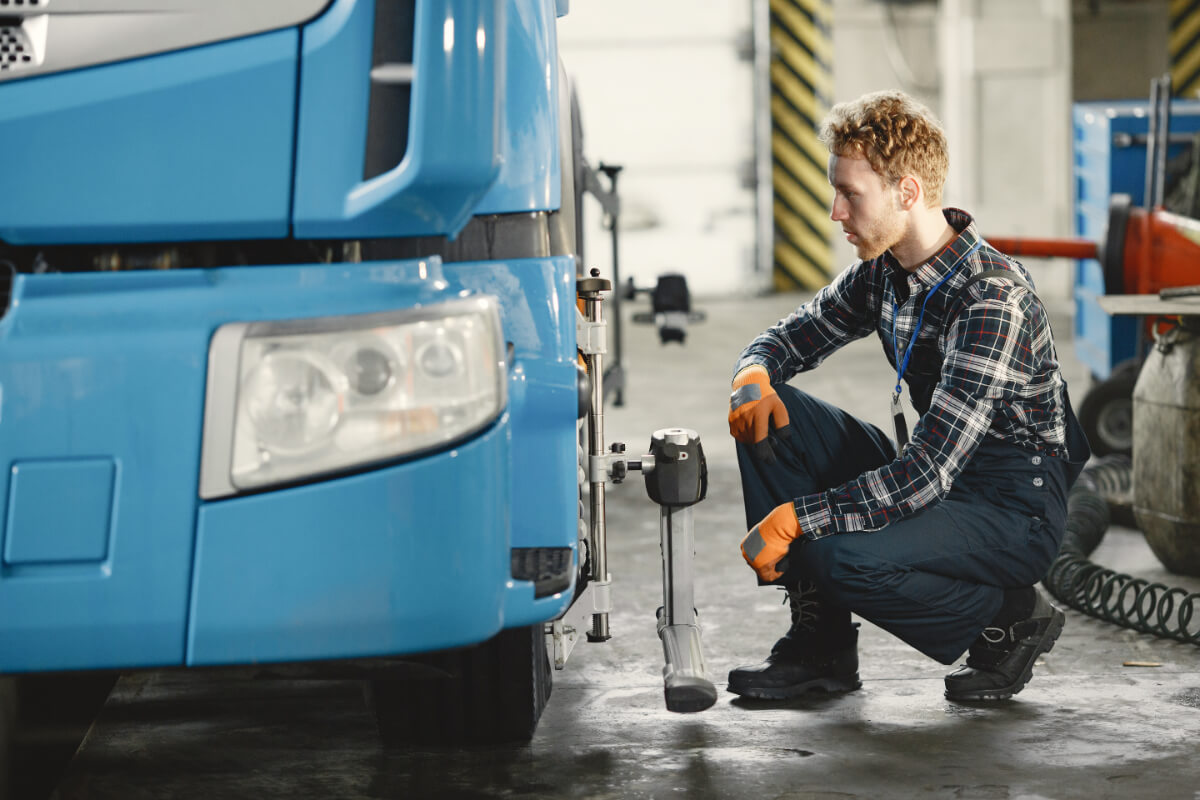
934 579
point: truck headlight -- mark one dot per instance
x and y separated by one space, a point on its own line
294 399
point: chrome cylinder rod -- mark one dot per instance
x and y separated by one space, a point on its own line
594 313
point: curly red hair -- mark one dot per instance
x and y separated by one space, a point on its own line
895 134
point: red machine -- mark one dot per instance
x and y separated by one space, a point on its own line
1145 251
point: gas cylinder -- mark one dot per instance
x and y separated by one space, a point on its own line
1166 448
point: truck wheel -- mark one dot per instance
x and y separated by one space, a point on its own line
8 728
491 693
1106 412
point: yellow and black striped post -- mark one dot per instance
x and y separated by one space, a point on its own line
801 89
1183 46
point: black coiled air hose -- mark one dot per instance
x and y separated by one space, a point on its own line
1104 593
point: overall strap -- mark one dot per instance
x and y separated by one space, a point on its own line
1007 274
1078 450
922 393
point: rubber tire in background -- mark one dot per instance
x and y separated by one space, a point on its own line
1106 412
1112 250
492 693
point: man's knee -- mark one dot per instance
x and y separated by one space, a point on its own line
803 405
839 567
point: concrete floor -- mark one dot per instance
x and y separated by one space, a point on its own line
1086 727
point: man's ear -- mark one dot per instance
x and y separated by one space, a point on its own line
908 192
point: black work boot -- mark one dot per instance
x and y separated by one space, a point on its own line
816 654
1000 662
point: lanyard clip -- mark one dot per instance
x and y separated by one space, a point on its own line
899 425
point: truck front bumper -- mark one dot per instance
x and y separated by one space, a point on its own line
410 558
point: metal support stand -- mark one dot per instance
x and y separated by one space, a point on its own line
617 369
592 328
610 202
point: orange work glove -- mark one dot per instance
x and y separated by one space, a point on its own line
752 406
768 541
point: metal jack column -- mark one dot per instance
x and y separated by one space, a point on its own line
677 479
591 334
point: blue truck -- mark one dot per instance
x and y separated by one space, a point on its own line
288 362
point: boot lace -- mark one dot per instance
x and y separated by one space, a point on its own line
805 606
996 636
991 647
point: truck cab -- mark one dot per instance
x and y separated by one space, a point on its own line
288 365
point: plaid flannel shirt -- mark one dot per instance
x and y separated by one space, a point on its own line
999 373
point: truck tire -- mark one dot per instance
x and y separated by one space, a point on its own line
8 729
492 693
1106 412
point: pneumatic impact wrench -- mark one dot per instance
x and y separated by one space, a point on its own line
676 479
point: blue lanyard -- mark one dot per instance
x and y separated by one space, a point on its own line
902 364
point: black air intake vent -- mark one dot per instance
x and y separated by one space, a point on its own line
391 86
8 274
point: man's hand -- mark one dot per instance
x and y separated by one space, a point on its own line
752 406
768 541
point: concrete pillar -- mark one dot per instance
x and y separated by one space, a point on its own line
1006 106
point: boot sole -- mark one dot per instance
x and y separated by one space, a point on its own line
1045 645
821 685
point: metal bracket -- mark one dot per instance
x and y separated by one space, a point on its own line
563 638
615 466
564 631
590 337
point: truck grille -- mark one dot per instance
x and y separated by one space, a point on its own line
548 567
391 86
16 50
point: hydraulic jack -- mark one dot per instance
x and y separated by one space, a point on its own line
676 479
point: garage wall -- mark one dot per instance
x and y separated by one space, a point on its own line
1117 47
1006 103
667 91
